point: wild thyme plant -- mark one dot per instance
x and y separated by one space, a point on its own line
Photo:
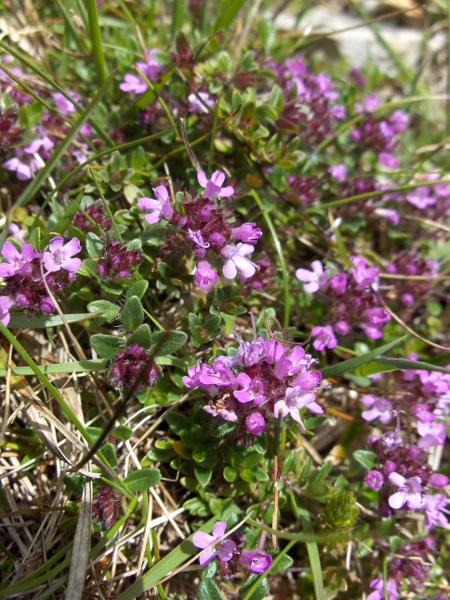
224 300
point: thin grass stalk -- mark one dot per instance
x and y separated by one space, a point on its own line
96 41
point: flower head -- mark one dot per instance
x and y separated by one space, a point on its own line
224 550
61 255
235 259
315 279
213 187
258 562
159 206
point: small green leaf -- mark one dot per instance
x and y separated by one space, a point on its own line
208 590
282 564
142 337
173 340
132 314
261 591
365 458
110 311
94 245
203 474
109 452
137 289
106 346
123 433
139 481
229 474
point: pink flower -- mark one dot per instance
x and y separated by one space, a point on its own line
378 586
388 160
213 186
338 172
235 260
224 550
133 83
24 165
379 409
61 256
160 206
364 276
315 279
294 399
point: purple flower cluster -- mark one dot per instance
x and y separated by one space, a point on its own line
229 550
208 228
133 369
263 381
25 288
117 261
351 298
312 108
107 506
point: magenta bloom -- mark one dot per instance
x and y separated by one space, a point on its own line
213 187
410 492
224 550
379 408
378 586
17 261
24 165
294 399
374 480
364 276
255 423
159 207
315 279
338 172
325 338
235 260
61 256
434 508
258 562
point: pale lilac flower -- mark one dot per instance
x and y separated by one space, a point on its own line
399 121
422 197
338 172
378 586
390 214
213 187
364 276
205 276
16 260
437 480
325 338
377 318
133 83
370 104
294 399
5 305
410 492
25 165
434 507
159 207
64 105
223 550
42 142
61 255
388 160
432 434
342 327
17 233
315 279
235 260
258 562
195 105
380 408
374 480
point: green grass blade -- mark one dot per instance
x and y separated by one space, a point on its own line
179 10
230 14
55 158
71 28
279 249
96 41
21 321
353 363
80 366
